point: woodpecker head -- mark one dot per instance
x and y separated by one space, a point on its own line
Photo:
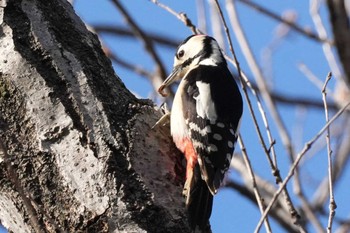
195 50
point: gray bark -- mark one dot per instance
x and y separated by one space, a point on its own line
77 149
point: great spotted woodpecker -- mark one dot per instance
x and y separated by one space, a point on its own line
204 120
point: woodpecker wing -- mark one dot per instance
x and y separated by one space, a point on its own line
213 108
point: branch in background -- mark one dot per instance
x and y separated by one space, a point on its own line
126 32
152 77
307 146
341 160
280 218
293 25
147 43
313 78
332 203
258 197
321 30
279 211
127 65
303 101
341 30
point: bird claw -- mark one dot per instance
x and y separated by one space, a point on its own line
165 119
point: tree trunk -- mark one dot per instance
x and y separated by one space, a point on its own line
77 149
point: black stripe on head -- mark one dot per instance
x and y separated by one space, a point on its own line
207 48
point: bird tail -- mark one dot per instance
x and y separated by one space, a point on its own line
199 201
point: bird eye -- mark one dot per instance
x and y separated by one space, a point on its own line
181 54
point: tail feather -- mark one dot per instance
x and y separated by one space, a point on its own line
199 202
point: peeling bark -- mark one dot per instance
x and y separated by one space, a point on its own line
78 151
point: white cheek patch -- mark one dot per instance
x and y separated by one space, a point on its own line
204 104
208 62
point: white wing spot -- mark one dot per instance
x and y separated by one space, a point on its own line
204 104
217 137
220 124
198 144
212 148
230 144
195 127
232 132
199 161
228 157
207 160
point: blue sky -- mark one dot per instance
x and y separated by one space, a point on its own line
232 212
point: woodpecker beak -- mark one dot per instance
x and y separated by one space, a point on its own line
169 80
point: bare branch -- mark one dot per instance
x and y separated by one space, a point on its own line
313 79
341 30
266 189
340 163
321 30
332 203
134 68
126 32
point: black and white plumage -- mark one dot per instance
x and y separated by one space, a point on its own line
204 120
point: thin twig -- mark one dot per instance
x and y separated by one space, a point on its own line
332 203
307 146
181 16
341 161
338 11
126 32
292 25
313 79
255 187
127 65
279 210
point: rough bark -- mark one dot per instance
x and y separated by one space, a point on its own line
77 150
